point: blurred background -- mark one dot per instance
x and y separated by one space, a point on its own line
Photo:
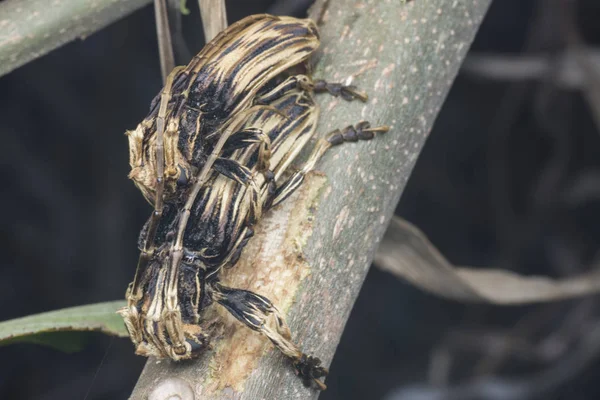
510 176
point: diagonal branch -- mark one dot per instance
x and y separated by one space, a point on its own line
310 256
31 28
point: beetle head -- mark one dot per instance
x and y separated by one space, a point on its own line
151 338
144 168
164 325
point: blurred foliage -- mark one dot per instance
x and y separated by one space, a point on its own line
59 328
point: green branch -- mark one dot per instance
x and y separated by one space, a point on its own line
31 28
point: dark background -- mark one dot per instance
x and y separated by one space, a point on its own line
510 177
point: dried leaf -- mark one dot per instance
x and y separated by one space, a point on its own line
407 253
58 329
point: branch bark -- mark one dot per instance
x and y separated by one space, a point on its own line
31 28
311 254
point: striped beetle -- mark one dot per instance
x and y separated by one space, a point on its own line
212 156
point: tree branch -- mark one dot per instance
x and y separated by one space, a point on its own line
31 28
311 254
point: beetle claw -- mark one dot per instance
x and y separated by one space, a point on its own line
309 369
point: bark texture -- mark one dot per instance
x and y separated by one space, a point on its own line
31 28
311 254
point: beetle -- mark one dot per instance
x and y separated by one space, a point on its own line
214 154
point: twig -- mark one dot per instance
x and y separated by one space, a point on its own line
165 42
327 233
214 17
180 47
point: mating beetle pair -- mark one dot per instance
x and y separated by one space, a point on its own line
212 156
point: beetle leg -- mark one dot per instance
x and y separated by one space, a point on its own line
171 322
362 131
348 92
304 82
259 314
234 170
242 175
170 326
247 137
293 82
